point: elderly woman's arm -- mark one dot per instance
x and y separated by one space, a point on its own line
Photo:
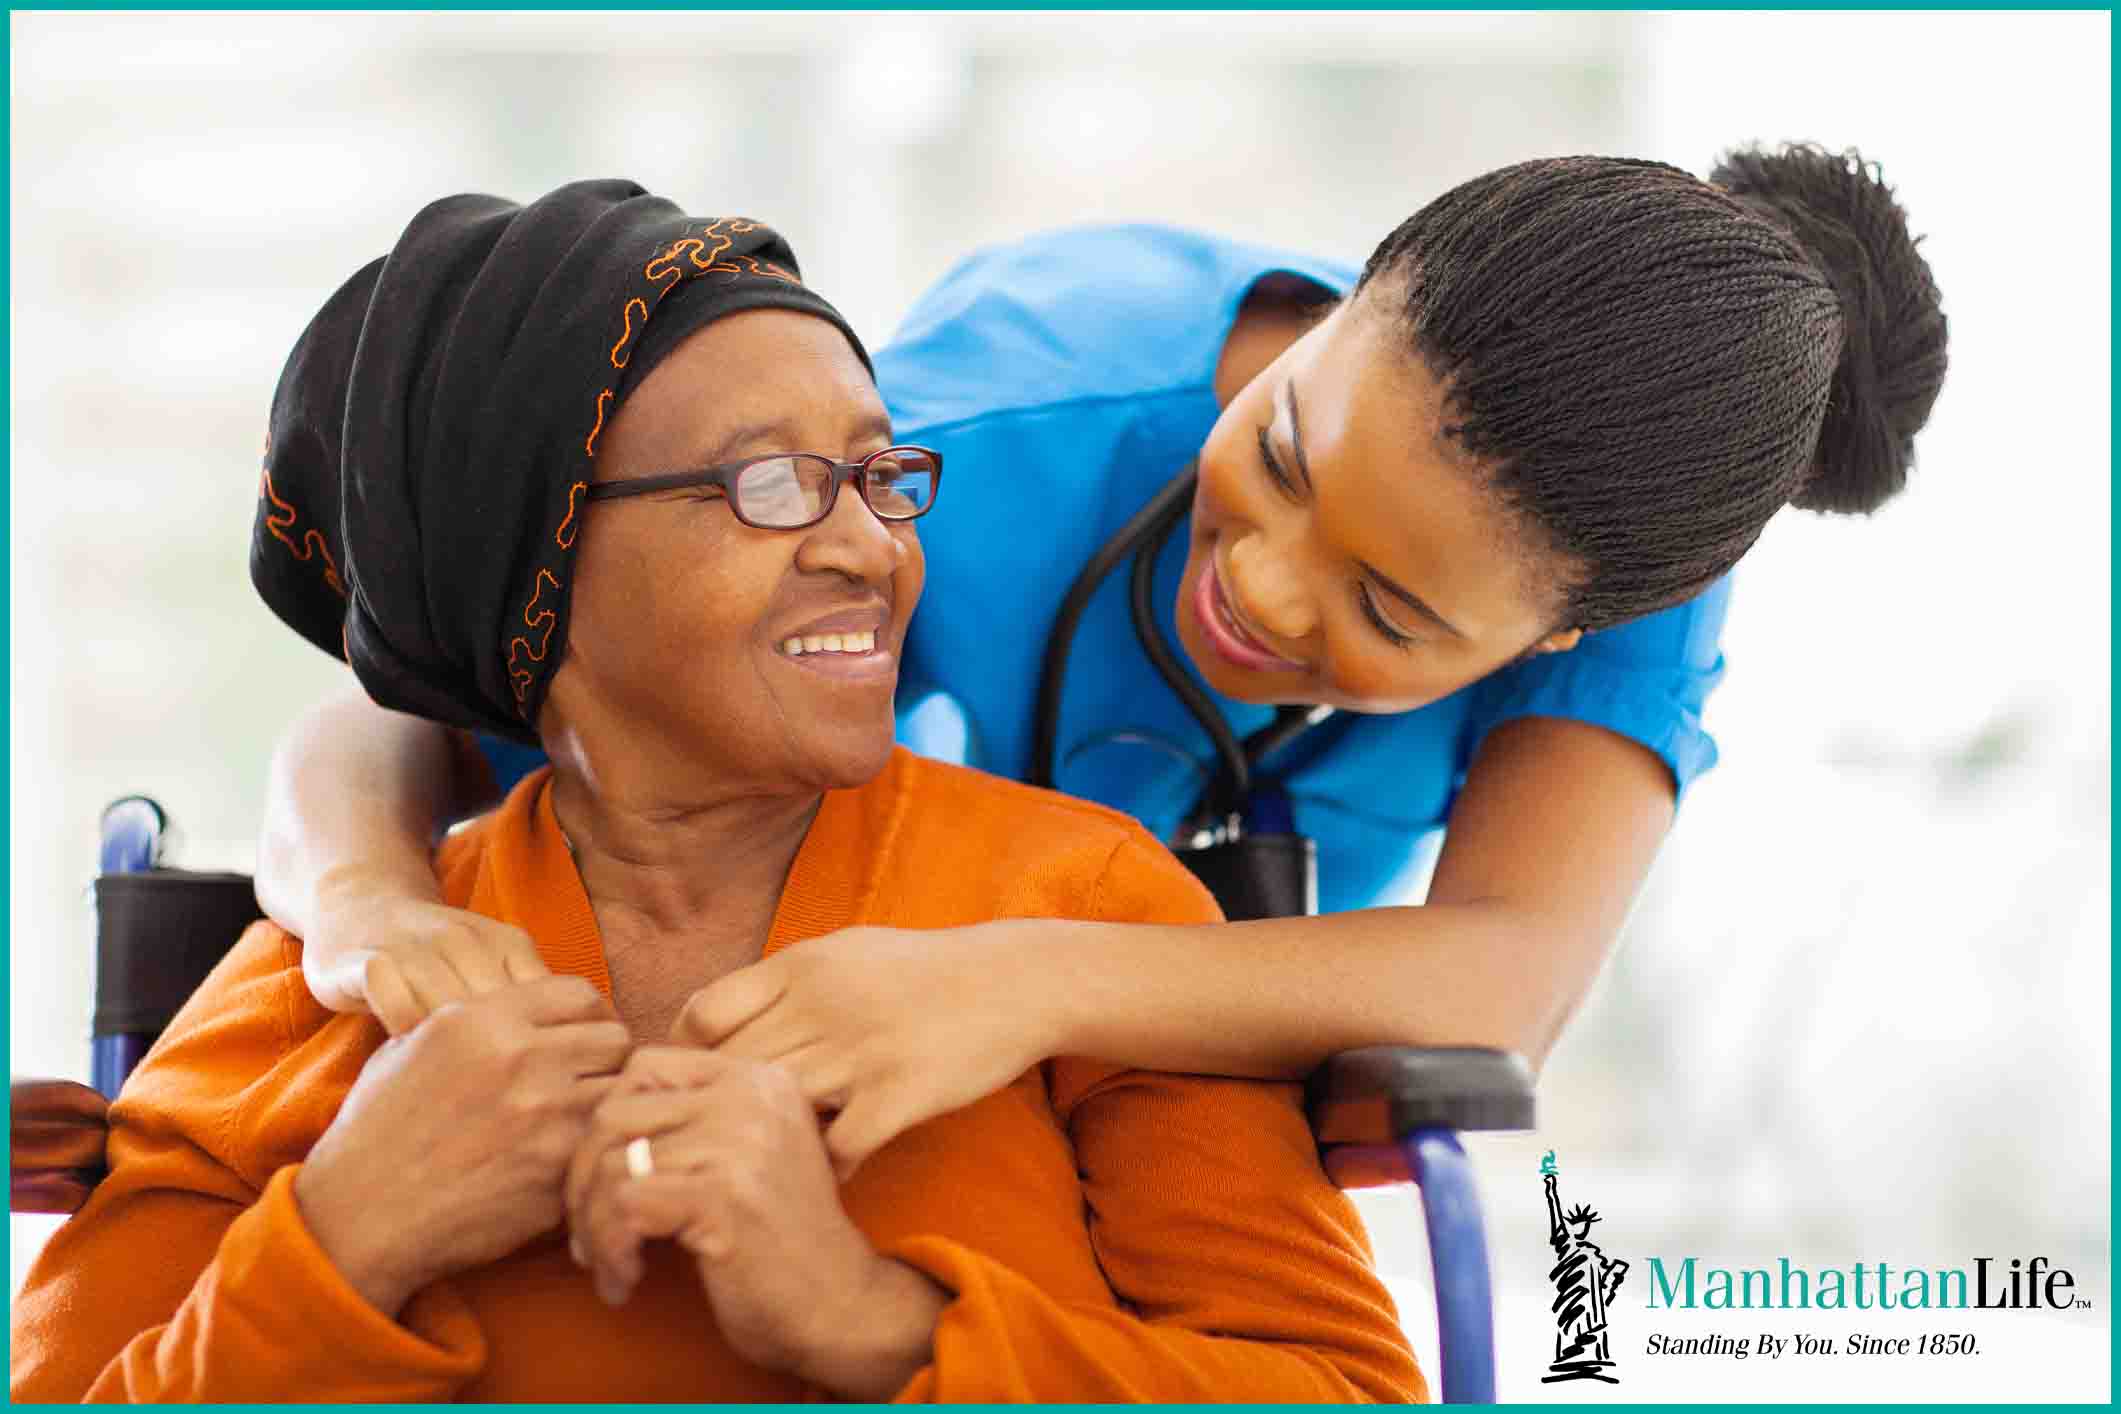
225 1260
1244 1274
354 796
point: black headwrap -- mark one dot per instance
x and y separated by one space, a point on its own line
434 428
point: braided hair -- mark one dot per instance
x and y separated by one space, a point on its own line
1646 367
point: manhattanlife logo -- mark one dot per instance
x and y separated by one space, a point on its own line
2027 1283
1588 1282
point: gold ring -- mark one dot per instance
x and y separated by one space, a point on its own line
640 1159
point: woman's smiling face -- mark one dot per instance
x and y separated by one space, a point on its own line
678 656
1343 551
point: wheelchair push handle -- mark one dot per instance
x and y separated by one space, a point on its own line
1389 1114
1382 1094
135 831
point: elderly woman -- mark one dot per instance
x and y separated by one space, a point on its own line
682 547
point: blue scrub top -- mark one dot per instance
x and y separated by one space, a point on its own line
1066 378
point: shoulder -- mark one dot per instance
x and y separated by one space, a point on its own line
1093 311
1036 852
1043 818
244 1011
244 1068
1648 680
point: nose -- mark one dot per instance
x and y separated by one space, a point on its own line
1270 588
851 541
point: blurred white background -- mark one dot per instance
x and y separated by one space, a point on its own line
1862 1012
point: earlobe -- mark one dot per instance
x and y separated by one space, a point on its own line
1559 642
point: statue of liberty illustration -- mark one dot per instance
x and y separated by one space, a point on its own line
1585 1280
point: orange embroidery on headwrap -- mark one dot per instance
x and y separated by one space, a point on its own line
312 541
757 268
707 261
568 529
520 677
619 352
590 446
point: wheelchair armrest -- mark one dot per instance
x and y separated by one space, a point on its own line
55 1144
1364 1104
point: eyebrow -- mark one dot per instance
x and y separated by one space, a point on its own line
779 428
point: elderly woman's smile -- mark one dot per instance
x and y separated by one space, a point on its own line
855 646
843 645
712 649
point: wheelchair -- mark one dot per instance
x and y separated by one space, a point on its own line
1381 1115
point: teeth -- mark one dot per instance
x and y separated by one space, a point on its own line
797 646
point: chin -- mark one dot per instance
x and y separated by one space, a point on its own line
850 758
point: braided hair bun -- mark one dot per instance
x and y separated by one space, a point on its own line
1840 210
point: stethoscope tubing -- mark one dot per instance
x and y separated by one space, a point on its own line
1145 535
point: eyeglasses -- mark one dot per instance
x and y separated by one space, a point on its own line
794 490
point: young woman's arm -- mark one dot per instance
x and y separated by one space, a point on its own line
1551 837
354 798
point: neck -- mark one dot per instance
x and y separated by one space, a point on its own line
669 867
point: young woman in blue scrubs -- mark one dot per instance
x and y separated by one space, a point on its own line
1484 496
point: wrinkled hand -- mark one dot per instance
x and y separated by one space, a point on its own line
403 958
889 1027
741 1182
450 1149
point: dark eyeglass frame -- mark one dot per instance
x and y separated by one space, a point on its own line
723 478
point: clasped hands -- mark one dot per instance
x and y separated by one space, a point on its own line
496 1117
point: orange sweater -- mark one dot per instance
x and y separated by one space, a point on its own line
1107 1234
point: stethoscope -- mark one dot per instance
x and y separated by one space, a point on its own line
1237 803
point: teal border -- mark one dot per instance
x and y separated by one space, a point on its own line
7 425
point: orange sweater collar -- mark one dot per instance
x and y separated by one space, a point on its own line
527 875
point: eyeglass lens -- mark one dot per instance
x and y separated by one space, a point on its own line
792 490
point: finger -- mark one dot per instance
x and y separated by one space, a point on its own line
605 1226
672 1205
432 982
585 1047
337 984
821 1072
474 959
862 1128
610 1250
771 1035
549 1001
389 997
631 1211
519 955
617 1121
671 1068
721 1007
586 1092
